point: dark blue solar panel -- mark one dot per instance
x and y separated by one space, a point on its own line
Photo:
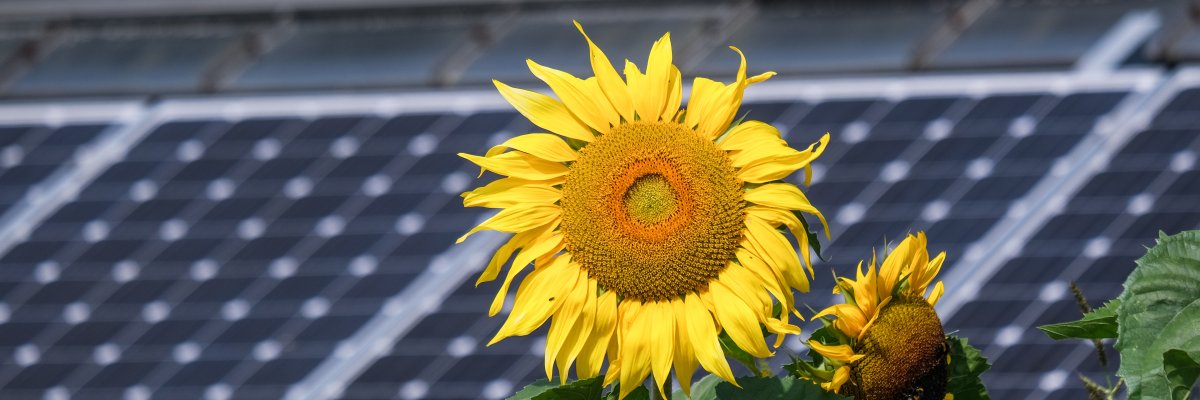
236 226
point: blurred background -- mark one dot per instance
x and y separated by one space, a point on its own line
257 199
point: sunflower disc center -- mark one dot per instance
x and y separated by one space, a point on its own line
650 199
652 210
905 354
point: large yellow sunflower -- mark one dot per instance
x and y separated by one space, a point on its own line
889 341
650 229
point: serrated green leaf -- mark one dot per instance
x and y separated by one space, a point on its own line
966 366
533 389
768 388
1101 323
705 389
1181 371
1159 311
586 389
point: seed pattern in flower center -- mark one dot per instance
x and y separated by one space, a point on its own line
905 354
652 210
650 199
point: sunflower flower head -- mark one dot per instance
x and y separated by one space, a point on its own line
650 229
885 341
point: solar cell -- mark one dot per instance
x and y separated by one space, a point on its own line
239 254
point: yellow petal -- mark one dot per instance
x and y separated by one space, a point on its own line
717 104
636 80
749 135
592 355
490 195
708 107
777 217
922 277
517 219
785 196
841 352
519 165
685 357
760 77
937 293
703 335
527 194
538 243
894 266
541 145
674 95
581 331
770 277
583 99
746 286
764 166
738 319
610 82
850 319
567 323
502 255
765 241
840 377
650 98
540 294
546 112
636 325
661 332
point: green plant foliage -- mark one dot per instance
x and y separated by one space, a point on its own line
641 393
731 349
767 388
814 240
587 389
705 389
1159 311
1101 323
1181 371
966 365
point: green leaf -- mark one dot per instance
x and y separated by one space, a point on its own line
641 393
767 388
814 240
966 365
731 349
587 389
1181 372
533 389
1101 323
705 389
1159 311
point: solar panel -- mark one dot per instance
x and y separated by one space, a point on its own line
1093 240
867 185
229 256
237 254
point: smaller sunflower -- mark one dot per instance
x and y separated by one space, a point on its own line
885 341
